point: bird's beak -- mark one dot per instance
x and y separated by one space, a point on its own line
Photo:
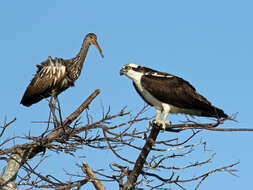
122 71
94 42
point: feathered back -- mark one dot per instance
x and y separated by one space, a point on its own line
49 76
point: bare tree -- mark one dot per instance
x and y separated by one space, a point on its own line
155 167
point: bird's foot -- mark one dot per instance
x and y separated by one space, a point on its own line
167 122
160 123
154 122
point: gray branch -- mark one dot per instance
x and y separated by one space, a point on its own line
22 153
91 176
132 178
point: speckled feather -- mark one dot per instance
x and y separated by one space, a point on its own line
56 75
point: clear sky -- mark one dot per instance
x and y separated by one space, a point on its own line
209 43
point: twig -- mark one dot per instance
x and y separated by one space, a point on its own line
97 184
6 125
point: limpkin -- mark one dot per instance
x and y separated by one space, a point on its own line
56 75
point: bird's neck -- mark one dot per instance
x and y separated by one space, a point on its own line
77 62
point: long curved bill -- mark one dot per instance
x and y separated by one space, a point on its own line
98 47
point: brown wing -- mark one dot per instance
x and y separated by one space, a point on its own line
178 92
41 86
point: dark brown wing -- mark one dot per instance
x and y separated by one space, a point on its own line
180 93
41 86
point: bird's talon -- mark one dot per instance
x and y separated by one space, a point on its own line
168 122
149 124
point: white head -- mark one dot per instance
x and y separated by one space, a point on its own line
132 71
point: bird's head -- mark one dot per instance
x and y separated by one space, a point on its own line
132 71
91 38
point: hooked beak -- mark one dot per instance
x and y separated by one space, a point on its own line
94 42
122 71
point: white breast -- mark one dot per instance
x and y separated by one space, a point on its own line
148 97
136 77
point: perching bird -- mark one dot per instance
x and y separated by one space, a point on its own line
169 93
56 75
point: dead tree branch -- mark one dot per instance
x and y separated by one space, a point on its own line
21 153
150 141
91 176
149 157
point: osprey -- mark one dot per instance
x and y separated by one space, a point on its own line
169 94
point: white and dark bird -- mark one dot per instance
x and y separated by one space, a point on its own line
169 94
56 75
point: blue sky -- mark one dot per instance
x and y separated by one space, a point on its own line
208 43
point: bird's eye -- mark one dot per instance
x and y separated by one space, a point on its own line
128 67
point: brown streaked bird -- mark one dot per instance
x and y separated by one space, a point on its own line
56 75
169 94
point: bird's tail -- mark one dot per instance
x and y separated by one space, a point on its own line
30 97
215 112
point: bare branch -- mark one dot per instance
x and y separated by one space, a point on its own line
117 133
20 154
132 178
5 126
91 176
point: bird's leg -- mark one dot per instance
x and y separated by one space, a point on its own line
157 117
50 111
56 123
166 110
164 121
158 114
52 103
59 110
49 119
